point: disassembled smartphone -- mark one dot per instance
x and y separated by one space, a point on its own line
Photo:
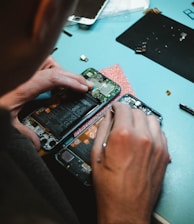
66 111
138 104
75 155
87 11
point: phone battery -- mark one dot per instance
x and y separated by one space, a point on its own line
62 114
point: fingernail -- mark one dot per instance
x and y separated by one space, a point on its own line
84 87
90 83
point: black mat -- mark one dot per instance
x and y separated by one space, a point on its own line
164 41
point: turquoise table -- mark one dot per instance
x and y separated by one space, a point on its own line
150 81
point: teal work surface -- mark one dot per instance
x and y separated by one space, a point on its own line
150 81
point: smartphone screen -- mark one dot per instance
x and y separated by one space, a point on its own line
56 120
87 11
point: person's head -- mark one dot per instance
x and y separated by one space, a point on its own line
29 30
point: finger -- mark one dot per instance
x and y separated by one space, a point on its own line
29 134
57 77
154 127
116 133
80 79
123 116
70 80
97 149
48 79
160 156
159 140
151 130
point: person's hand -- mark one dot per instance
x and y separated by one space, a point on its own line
49 76
128 174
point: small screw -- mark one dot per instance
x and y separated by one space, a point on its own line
168 92
183 36
83 58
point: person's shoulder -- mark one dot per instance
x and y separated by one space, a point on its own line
5 127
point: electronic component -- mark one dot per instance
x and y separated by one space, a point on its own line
141 48
168 92
56 121
83 58
138 104
75 157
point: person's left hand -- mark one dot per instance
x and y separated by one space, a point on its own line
49 76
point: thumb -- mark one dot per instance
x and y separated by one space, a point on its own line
28 133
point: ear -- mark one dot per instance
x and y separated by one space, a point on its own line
44 17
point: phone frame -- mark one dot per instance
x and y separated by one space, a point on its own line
104 91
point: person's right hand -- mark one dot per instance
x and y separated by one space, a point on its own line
129 176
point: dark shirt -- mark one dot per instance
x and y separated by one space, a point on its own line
28 191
